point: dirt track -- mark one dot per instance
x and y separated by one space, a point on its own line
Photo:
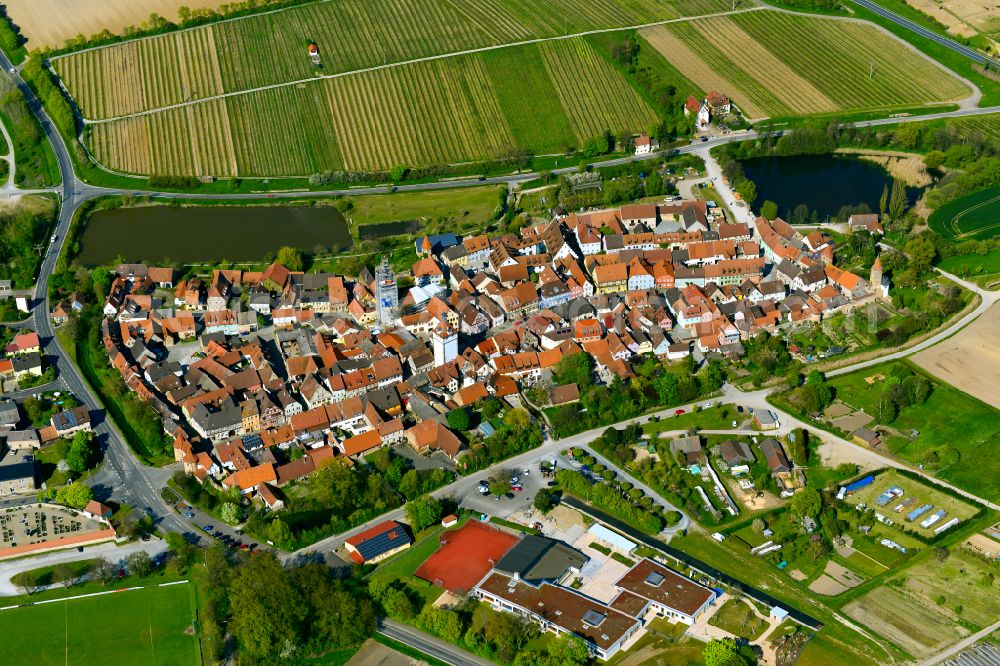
970 360
49 23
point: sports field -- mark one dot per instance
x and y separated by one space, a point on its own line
352 35
465 556
458 109
774 64
153 626
972 217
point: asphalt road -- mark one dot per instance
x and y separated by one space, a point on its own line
971 54
435 647
124 478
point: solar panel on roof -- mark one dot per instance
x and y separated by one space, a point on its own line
382 543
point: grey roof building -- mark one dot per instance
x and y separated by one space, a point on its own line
537 559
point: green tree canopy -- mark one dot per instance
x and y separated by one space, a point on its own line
458 419
423 512
769 210
291 258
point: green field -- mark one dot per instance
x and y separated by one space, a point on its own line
738 618
352 35
972 217
983 268
477 204
958 428
776 64
153 625
443 111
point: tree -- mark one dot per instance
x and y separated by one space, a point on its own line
139 564
63 573
921 252
897 199
75 495
27 581
807 502
291 258
569 650
576 369
423 512
458 419
883 202
104 570
278 532
724 652
934 160
769 210
231 513
81 454
543 500
257 592
758 525
518 419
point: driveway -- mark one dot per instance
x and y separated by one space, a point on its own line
112 551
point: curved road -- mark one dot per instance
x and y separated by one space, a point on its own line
123 476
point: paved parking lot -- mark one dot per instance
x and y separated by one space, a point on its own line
35 524
507 505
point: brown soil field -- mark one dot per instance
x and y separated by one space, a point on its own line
376 654
49 23
969 360
897 617
962 17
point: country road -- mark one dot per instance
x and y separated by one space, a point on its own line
971 54
123 477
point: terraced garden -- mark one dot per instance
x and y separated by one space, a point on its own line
441 111
775 63
270 48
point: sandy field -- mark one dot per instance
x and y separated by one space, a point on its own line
376 654
970 360
962 17
49 23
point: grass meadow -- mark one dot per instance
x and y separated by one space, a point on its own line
153 625
959 428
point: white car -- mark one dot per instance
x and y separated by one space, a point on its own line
734 424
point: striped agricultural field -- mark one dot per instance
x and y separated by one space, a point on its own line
706 67
592 93
775 63
270 48
459 109
837 57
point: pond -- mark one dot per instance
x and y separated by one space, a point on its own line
823 183
208 233
381 230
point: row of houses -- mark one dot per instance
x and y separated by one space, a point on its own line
338 376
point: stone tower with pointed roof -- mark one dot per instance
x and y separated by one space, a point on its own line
875 279
386 293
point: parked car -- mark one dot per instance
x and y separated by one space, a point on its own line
207 528
734 424
678 412
739 408
189 515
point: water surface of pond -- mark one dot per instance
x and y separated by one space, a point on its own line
156 234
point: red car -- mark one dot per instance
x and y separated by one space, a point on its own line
678 412
516 489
